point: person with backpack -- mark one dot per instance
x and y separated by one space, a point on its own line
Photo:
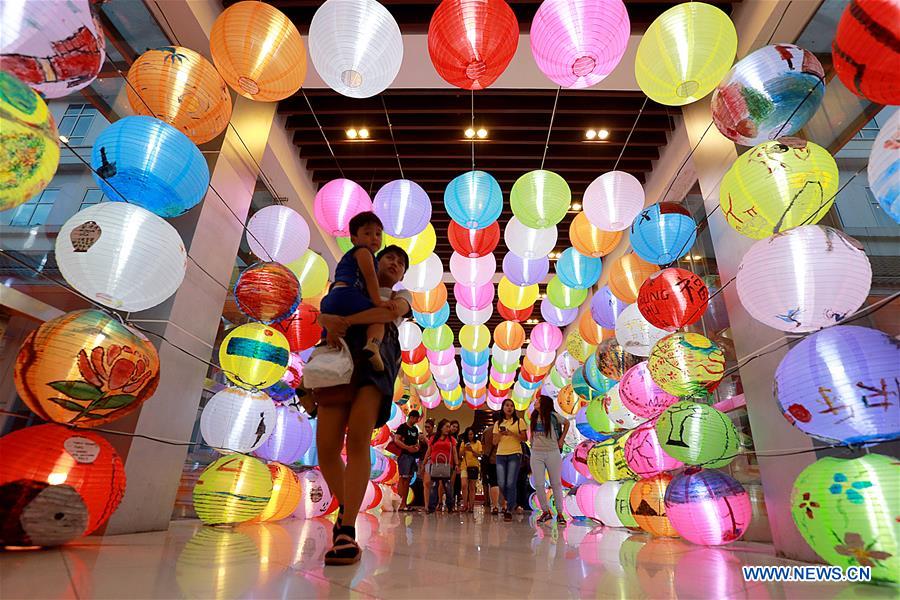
548 430
406 440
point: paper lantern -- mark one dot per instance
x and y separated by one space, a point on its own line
635 334
121 256
285 494
771 92
291 436
435 319
804 279
403 207
540 199
430 300
663 233
527 242
599 382
473 199
418 247
337 202
149 163
586 497
316 499
623 503
564 296
476 358
605 503
672 298
518 316
589 330
577 44
300 328
686 364
641 395
237 420
697 434
517 297
233 489
597 418
613 200
416 369
605 307
846 511
254 355
884 163
591 241
85 368
619 415
835 385
277 233
76 468
778 185
606 461
438 339
267 292
472 271
577 270
293 376
524 271
708 507
699 42
649 507
546 337
474 338
258 51
475 298
577 347
538 358
180 87
469 316
424 275
566 364
613 360
865 51
473 243
509 335
312 273
645 455
626 274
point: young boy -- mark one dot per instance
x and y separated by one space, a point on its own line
355 286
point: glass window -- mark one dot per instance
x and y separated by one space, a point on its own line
35 211
92 196
76 122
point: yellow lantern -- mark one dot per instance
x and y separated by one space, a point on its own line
254 355
578 348
685 53
233 489
590 240
415 370
418 247
517 297
626 275
474 338
312 273
285 494
258 51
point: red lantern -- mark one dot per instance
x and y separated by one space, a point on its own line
267 292
514 315
673 298
414 357
472 41
866 49
531 377
495 392
473 243
301 329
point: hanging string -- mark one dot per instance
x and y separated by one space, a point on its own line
322 131
550 128
391 130
472 113
628 139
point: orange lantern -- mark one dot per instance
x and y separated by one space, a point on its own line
179 86
419 379
258 51
648 505
590 331
590 240
532 368
475 394
509 335
568 400
285 494
430 301
627 274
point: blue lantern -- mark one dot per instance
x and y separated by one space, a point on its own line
585 429
474 199
577 270
529 385
475 358
599 382
151 164
432 320
663 233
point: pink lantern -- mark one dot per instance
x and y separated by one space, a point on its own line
641 395
441 357
708 507
546 337
539 358
644 454
472 271
586 496
474 317
403 207
495 402
475 298
503 377
294 373
278 233
613 200
315 497
337 202
577 43
432 401
580 455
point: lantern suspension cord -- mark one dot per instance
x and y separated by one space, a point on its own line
166 19
391 130
778 24
627 139
322 131
472 126
550 128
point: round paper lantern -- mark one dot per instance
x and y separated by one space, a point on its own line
594 378
474 338
435 319
697 434
778 185
538 358
699 42
564 296
237 420
473 243
473 199
586 497
149 163
291 436
663 233
648 505
121 255
686 364
546 337
267 292
771 92
865 51
285 494
300 328
85 368
403 207
293 376
613 360
577 44
472 271
527 242
597 418
635 334
258 51
233 489
577 270
418 247
518 316
623 504
431 300
579 457
469 316
605 503
509 335
179 86
566 364
75 471
605 307
641 395
846 511
471 42
591 241
540 199
606 461
884 163
254 355
277 233
672 298
476 358
577 347
645 455
626 275
590 330
524 271
416 369
316 499
708 507
424 275
613 200
834 385
475 298
621 418
517 297
338 201
438 339
804 279
312 273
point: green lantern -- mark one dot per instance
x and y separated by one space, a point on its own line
848 511
504 368
437 338
623 505
606 460
562 296
597 417
557 379
697 434
540 199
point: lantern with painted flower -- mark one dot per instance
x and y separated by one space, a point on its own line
686 364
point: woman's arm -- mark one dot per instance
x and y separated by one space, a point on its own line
336 326
564 432
523 435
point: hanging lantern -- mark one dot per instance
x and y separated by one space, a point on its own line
648 505
771 92
599 382
884 163
518 316
233 489
613 200
605 307
778 185
430 300
409 335
672 298
708 507
474 338
577 347
469 316
524 271
606 461
76 474
316 499
686 364
285 494
337 202
237 420
180 87
621 418
865 51
597 418
254 355
435 319
301 328
475 298
590 240
424 275
527 242
473 271
613 360
293 376
473 243
663 233
579 460
564 296
645 455
267 292
540 199
403 207
635 334
699 42
438 339
312 273
626 275
121 255
473 199
847 510
577 270
641 395
517 297
277 233
697 434
258 51
509 335
583 423
835 385
85 368
545 337
804 279
29 140
418 247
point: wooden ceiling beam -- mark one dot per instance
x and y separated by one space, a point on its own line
507 122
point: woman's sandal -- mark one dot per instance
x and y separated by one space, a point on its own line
345 551
338 523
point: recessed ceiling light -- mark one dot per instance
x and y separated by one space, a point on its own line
482 133
576 206
603 134
364 133
352 134
590 134
544 296
470 133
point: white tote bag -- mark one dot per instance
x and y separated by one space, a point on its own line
328 367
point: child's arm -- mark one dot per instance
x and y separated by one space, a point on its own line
366 263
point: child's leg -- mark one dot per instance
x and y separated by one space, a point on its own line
374 334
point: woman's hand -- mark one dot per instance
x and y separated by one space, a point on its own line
335 328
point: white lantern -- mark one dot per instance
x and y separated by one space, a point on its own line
605 504
473 272
445 372
425 275
613 200
505 357
635 334
884 167
469 316
121 255
410 336
355 46
278 233
804 278
527 242
540 359
621 417
237 420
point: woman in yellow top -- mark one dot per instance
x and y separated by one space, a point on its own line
469 454
509 433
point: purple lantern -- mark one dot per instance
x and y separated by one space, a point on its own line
641 395
403 207
525 271
291 436
605 308
644 454
557 316
337 202
708 507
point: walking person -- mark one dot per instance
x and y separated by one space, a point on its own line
509 433
548 430
424 475
453 484
440 462
489 472
407 440
469 458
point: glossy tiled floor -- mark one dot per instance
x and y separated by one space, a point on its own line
406 556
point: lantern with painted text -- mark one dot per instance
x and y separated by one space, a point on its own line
673 298
865 50
686 364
